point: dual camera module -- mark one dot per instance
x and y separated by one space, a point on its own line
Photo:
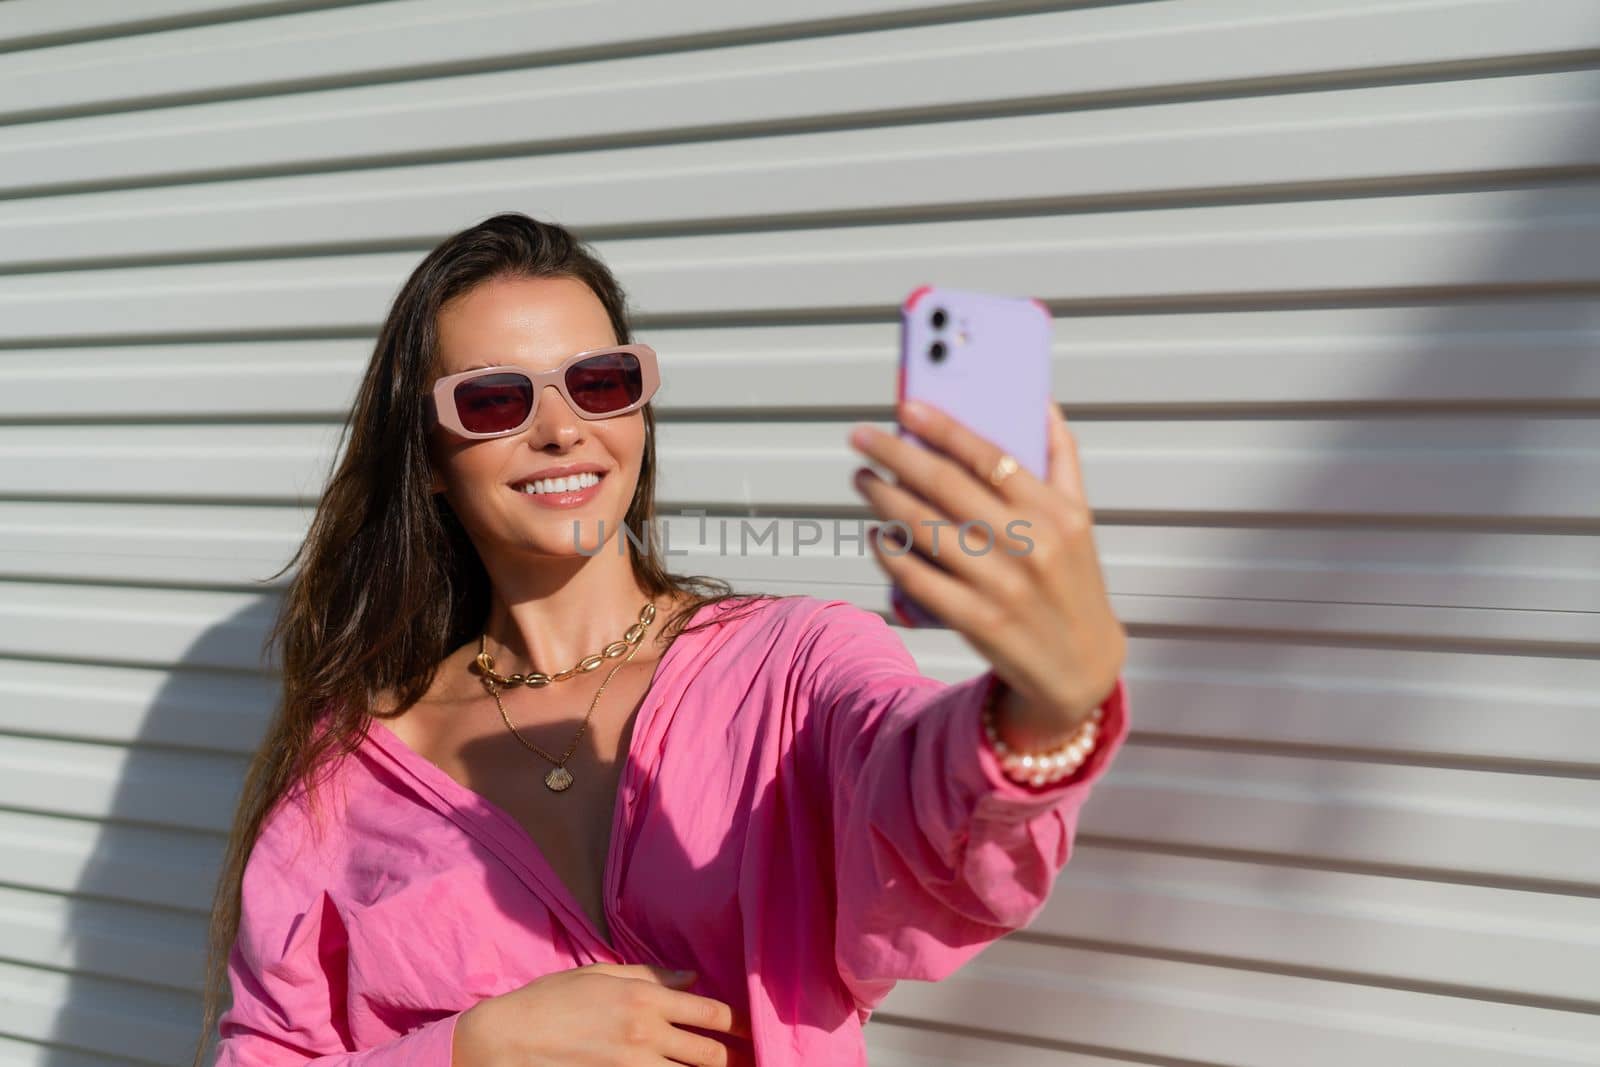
937 350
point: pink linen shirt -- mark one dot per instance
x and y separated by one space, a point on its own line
802 817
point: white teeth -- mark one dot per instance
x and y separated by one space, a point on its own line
570 484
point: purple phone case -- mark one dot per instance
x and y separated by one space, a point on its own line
996 382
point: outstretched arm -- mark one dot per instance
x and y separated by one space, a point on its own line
935 852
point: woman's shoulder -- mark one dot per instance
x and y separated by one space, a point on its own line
802 634
792 616
302 834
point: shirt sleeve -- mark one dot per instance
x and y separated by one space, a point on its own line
936 853
287 972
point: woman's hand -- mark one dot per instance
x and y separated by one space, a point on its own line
602 1015
1040 615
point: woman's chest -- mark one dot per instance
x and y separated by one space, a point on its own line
472 899
571 829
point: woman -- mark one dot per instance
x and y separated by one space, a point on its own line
443 857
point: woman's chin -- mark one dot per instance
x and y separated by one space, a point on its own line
578 536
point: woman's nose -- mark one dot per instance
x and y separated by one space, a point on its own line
554 420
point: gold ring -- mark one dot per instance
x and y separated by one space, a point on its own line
1004 468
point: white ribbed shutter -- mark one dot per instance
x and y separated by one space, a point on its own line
1324 274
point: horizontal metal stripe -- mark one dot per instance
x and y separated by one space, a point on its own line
122 626
1315 141
39 23
1216 610
859 582
140 543
17 1053
375 42
1088 1001
1472 824
1479 825
1459 467
1420 705
91 1014
1446 241
150 786
275 378
166 866
1495 944
1045 58
1492 943
1491 353
894 1042
109 939
1349 246
201 544
178 707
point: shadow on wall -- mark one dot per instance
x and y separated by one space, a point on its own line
131 996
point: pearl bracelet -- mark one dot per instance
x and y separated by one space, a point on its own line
1040 768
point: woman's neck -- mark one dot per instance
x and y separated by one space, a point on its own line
548 618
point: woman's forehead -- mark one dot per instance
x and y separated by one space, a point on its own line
534 323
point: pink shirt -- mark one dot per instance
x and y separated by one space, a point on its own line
802 817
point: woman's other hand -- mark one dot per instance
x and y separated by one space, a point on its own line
602 1015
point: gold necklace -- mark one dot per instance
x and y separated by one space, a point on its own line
560 778
537 679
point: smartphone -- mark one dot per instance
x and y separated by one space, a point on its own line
985 359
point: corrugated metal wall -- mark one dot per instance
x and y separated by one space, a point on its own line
1325 278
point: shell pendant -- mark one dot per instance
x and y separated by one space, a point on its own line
558 779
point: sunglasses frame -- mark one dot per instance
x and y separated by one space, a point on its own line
441 398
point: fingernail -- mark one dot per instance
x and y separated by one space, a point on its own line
861 436
915 410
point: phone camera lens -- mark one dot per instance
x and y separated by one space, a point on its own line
936 351
938 318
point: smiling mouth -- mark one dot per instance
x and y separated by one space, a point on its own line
556 486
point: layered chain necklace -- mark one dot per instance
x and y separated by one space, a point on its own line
559 777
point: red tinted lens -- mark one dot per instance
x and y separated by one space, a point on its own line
605 383
494 402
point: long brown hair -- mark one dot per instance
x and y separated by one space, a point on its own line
391 583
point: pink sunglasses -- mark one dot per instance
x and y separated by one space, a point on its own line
600 383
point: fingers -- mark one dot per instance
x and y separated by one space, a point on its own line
973 454
1066 470
952 472
948 597
681 1046
678 1005
707 1013
661 991
647 972
952 546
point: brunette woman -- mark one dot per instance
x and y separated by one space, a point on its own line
521 773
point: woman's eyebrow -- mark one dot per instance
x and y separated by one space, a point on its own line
506 363
484 363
